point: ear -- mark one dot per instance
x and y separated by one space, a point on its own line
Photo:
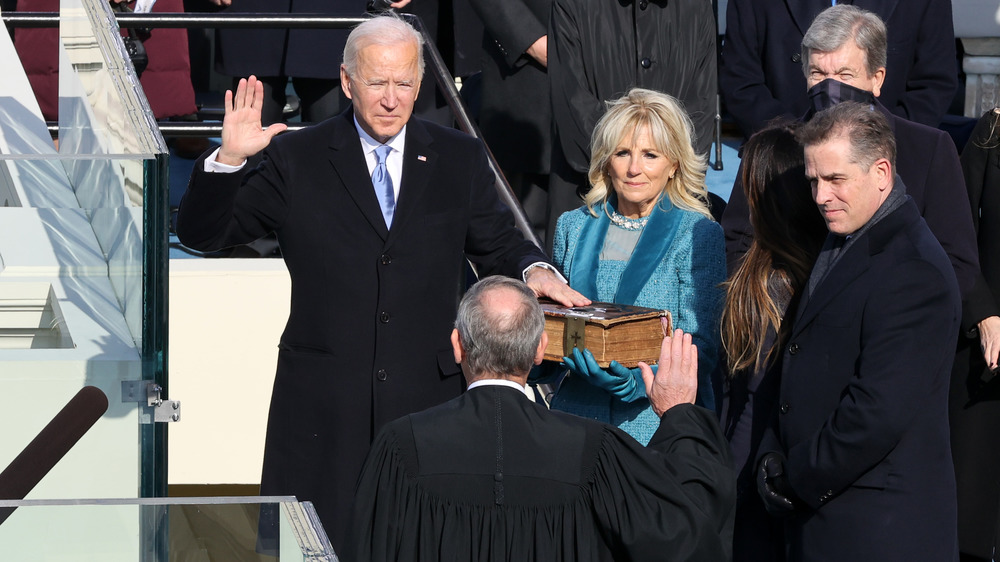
540 352
456 347
345 81
877 80
884 172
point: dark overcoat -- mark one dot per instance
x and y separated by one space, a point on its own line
761 75
975 392
367 337
863 403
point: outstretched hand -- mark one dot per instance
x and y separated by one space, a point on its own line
242 133
676 380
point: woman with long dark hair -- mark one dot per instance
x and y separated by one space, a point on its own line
788 233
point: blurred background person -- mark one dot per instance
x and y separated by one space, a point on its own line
515 113
760 75
599 50
277 55
789 232
644 237
975 394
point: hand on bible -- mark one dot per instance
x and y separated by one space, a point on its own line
544 283
621 382
676 380
242 134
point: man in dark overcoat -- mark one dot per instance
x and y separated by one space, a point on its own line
760 72
859 458
375 212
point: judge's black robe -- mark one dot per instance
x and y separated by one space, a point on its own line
491 475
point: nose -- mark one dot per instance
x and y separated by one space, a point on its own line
821 192
633 166
389 97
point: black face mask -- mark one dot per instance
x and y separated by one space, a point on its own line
830 92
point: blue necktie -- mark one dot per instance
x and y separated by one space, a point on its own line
383 184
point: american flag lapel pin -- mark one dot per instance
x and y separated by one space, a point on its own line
421 157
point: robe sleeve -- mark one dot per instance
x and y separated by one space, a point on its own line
679 499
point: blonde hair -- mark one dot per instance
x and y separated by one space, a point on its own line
671 131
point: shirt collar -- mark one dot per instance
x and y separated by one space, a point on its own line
496 382
368 143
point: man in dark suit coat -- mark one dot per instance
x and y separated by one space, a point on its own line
761 64
862 458
926 158
493 476
367 334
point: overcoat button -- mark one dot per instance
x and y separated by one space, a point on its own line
386 259
646 63
797 58
784 408
793 349
384 317
382 375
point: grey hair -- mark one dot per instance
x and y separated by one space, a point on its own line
499 341
867 129
387 29
834 26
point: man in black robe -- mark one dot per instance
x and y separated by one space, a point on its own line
493 475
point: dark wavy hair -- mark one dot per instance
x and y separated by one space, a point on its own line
788 233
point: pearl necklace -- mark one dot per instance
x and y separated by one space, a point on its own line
622 221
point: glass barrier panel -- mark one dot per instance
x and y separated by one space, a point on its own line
247 529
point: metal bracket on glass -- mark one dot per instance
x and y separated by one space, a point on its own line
155 409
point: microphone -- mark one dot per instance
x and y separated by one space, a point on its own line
51 445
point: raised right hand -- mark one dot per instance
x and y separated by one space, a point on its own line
242 134
676 379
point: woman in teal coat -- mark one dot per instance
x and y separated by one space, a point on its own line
644 237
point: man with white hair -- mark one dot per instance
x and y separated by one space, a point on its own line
375 212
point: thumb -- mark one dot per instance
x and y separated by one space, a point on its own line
647 377
274 129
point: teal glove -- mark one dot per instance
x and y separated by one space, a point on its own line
623 383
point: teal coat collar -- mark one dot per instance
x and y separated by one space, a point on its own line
653 244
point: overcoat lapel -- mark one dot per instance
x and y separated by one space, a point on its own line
419 163
348 163
848 268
